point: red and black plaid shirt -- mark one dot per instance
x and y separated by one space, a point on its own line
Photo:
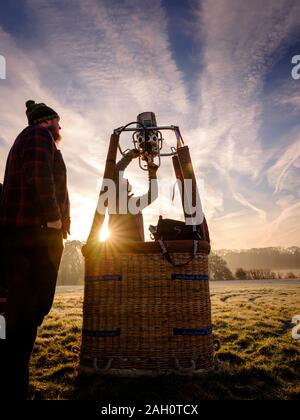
35 183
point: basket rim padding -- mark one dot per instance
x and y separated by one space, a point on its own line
126 247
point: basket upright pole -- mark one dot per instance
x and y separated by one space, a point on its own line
180 178
108 174
187 173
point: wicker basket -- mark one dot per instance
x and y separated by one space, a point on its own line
140 312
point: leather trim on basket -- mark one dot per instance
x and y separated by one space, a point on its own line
95 249
194 277
186 331
102 333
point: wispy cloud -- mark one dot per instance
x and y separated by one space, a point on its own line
280 174
241 43
117 55
100 63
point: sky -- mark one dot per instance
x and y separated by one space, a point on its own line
220 69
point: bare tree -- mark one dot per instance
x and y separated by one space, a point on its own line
218 268
71 271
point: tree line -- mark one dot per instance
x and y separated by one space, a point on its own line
277 258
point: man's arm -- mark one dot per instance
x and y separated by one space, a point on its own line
126 160
38 154
152 194
66 220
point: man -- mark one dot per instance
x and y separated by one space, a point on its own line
34 219
130 226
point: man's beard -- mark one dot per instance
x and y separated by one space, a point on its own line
57 138
56 134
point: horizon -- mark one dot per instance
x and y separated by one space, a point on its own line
235 97
220 249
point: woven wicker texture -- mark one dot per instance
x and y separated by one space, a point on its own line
140 312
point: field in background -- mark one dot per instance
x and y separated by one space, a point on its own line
259 359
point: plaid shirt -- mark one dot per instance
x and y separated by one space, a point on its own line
35 183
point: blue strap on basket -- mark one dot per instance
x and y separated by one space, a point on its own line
193 332
101 333
194 277
105 277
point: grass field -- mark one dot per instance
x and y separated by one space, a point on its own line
259 359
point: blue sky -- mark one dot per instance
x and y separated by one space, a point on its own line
221 70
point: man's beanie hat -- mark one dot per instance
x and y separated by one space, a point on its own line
39 112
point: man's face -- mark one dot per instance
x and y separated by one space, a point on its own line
55 127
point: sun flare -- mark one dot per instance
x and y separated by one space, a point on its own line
105 232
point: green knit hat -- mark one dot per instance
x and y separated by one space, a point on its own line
39 112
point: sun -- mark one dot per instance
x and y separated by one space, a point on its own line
84 218
105 232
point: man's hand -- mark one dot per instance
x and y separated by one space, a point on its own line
133 153
55 225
